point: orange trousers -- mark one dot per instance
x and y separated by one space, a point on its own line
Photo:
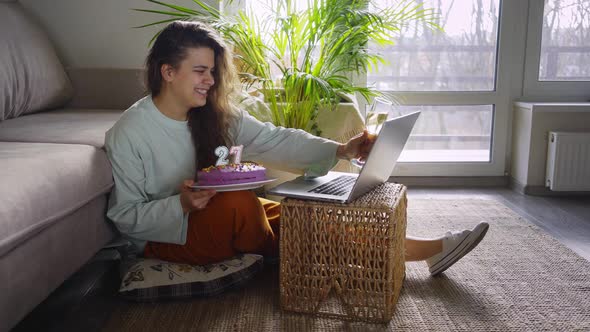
233 222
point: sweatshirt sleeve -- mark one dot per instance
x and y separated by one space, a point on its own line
130 207
288 149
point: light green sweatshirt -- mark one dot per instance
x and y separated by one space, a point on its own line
151 155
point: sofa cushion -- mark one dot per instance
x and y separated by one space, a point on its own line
60 126
31 271
33 78
42 183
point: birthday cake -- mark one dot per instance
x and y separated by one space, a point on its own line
231 174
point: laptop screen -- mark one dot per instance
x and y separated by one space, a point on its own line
383 156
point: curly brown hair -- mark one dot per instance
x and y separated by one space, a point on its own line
209 124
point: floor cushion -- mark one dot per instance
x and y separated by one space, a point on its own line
150 280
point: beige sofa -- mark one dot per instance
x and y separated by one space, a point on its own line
54 175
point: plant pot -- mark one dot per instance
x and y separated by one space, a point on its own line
339 124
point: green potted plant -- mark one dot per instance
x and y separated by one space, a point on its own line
302 61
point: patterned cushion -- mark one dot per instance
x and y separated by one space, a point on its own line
149 280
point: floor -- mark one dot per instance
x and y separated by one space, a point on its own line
567 219
83 302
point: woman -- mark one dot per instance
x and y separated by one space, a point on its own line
190 77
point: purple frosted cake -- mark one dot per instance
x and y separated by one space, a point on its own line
231 174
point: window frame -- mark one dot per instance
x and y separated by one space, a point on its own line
534 89
517 58
509 60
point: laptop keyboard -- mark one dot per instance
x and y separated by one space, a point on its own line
338 186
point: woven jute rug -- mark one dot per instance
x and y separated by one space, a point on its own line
517 279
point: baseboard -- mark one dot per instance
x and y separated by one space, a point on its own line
516 185
541 190
451 181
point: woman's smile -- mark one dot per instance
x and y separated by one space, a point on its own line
202 92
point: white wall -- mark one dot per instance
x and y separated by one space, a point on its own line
532 123
98 34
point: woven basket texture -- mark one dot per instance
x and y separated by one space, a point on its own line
350 253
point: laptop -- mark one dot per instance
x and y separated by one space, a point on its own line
346 187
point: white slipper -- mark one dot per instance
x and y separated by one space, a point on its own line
455 246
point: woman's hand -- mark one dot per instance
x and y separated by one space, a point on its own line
357 147
194 200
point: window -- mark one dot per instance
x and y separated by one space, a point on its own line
557 62
449 133
465 79
462 58
565 43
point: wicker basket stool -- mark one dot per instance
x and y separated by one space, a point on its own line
344 255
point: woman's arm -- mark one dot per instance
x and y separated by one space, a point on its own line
285 148
130 207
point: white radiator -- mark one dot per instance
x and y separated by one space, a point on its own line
568 161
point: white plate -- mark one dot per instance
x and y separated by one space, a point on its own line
235 187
